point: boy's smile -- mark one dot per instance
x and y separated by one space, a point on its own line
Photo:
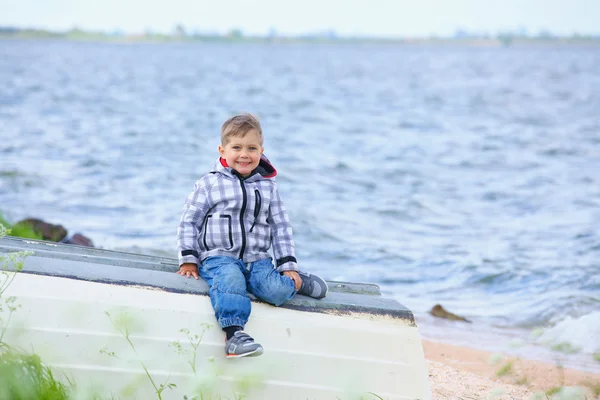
243 153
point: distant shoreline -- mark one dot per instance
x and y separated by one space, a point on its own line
8 33
396 42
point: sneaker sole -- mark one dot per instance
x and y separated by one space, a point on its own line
323 294
254 353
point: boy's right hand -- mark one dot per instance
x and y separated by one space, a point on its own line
188 269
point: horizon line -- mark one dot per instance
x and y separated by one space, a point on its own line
182 31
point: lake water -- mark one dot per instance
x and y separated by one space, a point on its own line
457 175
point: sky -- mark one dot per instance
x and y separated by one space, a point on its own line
390 18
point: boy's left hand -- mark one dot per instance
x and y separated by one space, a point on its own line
293 275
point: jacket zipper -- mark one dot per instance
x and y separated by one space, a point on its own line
243 210
257 206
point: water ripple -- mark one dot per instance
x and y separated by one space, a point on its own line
455 175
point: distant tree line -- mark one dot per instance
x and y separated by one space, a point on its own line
180 33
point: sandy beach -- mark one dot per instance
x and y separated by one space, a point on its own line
463 373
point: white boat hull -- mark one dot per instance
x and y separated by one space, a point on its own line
103 333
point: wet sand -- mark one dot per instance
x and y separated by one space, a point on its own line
463 373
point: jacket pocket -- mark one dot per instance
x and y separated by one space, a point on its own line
257 206
218 232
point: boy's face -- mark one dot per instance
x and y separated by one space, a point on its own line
243 153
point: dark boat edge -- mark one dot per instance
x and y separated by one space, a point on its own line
130 269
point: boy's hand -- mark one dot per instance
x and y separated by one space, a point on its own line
188 269
293 275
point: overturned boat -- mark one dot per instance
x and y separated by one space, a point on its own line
125 325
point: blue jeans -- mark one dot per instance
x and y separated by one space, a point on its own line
229 279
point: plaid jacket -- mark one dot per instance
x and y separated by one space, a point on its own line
227 215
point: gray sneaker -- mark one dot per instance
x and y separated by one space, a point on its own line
312 286
242 345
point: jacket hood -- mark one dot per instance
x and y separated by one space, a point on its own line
264 169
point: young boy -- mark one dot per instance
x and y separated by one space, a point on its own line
228 225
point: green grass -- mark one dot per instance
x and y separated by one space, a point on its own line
565 348
19 230
124 323
505 369
24 376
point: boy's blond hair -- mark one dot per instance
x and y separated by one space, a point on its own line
238 126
